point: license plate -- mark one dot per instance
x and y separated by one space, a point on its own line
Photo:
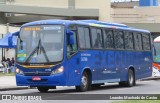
36 78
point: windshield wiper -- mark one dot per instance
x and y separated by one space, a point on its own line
38 49
42 48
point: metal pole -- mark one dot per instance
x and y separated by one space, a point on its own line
7 30
2 48
4 53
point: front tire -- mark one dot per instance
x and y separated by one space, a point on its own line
85 83
43 89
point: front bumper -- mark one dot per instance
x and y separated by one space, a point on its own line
53 80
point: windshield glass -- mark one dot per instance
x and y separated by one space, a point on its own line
40 44
156 52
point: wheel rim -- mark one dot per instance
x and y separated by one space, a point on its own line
84 81
131 77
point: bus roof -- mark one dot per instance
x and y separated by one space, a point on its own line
104 23
94 23
157 39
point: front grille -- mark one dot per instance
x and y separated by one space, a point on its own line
37 73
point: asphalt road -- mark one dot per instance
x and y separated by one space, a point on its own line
61 94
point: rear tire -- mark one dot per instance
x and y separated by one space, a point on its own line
85 83
43 89
131 78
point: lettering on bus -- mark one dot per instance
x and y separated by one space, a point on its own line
32 28
84 57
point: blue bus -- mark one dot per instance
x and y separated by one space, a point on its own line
81 53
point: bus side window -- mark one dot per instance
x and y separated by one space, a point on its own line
138 41
108 39
99 43
96 35
84 38
119 39
146 41
128 37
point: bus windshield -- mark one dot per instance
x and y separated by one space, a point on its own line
156 51
40 44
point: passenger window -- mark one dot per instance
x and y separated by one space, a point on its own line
138 41
87 38
84 38
81 37
96 35
108 39
128 40
119 39
146 41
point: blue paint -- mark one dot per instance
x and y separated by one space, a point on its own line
148 3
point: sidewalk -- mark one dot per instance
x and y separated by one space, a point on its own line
9 83
151 78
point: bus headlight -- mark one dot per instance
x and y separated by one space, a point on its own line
18 71
57 71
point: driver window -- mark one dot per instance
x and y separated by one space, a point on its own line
71 49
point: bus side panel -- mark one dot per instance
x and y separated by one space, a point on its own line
144 65
123 62
117 65
109 70
108 66
92 60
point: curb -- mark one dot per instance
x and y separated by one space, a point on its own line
150 78
13 88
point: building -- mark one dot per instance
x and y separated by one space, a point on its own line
22 11
133 13
143 17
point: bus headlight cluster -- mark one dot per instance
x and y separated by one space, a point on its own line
18 71
58 70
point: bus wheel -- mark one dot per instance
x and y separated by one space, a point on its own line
43 89
131 78
84 86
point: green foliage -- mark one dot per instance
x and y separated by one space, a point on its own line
7 74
